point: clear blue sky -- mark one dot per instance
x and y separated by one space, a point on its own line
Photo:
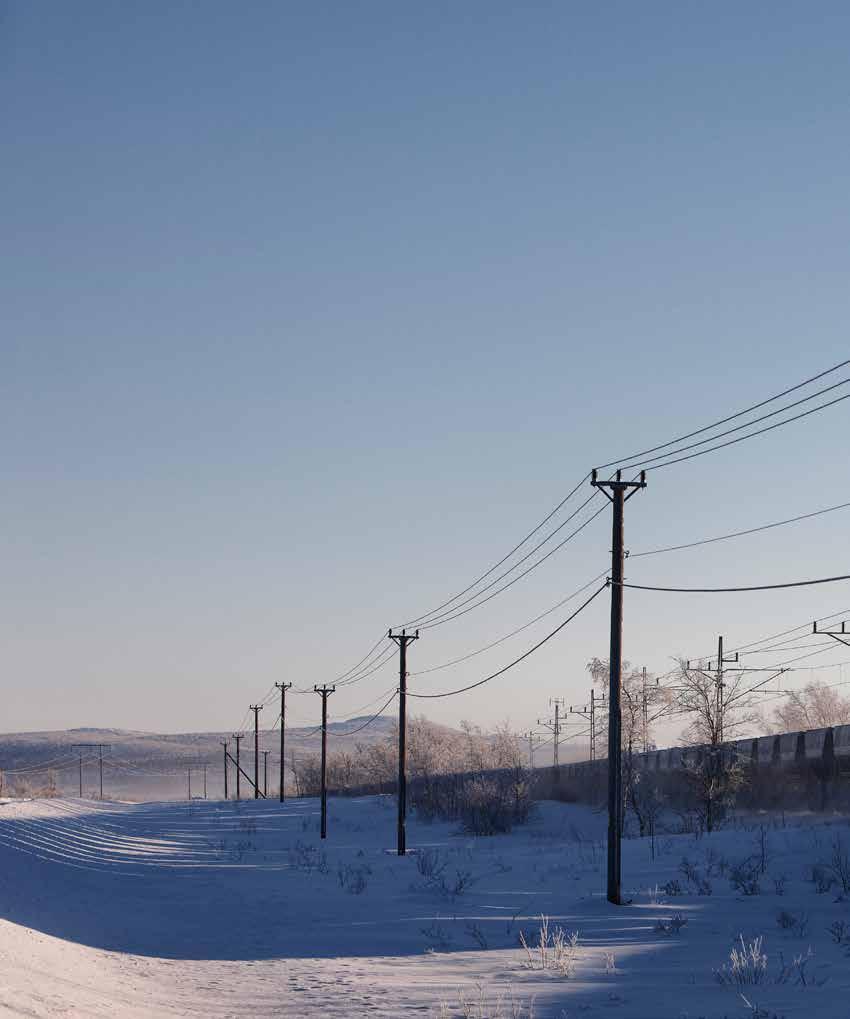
310 311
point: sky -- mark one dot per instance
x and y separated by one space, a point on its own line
311 312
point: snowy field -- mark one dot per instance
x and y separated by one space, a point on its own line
224 909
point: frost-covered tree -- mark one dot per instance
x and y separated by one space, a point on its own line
816 706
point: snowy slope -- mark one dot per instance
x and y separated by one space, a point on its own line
219 909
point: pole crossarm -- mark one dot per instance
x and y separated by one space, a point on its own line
838 635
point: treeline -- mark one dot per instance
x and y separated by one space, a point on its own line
465 776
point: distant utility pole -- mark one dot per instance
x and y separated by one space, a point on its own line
555 726
266 772
531 737
719 697
283 687
256 708
238 740
205 781
100 747
620 492
224 743
402 639
189 773
588 711
324 692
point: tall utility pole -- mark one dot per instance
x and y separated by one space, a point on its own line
205 781
189 773
224 743
266 772
324 692
238 740
256 708
618 492
283 687
555 726
100 747
402 639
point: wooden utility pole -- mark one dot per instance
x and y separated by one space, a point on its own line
283 687
256 708
224 743
620 492
238 739
402 639
324 692
266 772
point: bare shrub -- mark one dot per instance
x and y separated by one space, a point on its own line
430 863
821 879
555 949
353 879
796 923
486 807
839 863
671 926
744 877
747 966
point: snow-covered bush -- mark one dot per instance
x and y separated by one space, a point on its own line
747 966
555 949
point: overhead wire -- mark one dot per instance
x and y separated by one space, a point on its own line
738 534
731 417
504 559
530 651
514 580
733 590
746 424
513 633
743 438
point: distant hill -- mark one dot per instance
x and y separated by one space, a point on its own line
144 765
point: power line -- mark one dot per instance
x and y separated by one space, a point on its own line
533 566
366 725
738 428
738 534
513 633
742 438
531 650
504 559
731 590
731 417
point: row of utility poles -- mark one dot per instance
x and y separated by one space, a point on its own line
618 491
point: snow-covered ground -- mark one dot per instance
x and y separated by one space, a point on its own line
224 909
